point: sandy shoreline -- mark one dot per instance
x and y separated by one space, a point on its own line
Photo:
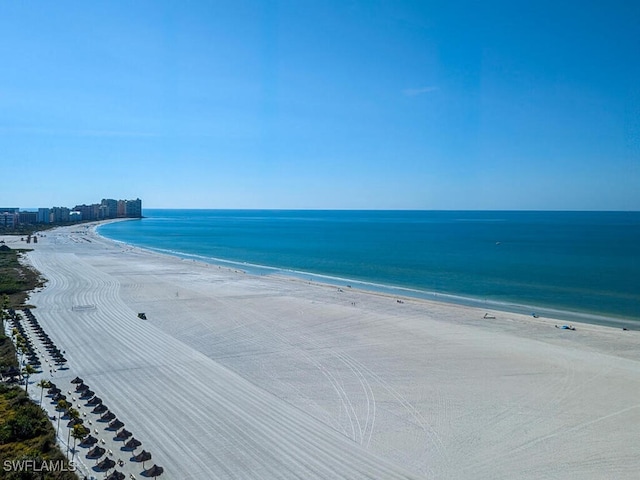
609 320
242 376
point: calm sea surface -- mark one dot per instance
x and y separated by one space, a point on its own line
575 264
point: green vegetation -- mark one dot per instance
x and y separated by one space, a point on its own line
30 228
16 279
79 432
27 438
26 434
7 350
23 229
7 353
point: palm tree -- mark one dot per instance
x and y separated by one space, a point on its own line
21 345
61 406
74 421
79 432
27 371
43 384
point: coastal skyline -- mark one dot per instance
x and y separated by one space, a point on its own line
329 105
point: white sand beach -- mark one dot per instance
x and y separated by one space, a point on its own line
236 376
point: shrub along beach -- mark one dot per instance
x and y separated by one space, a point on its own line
233 375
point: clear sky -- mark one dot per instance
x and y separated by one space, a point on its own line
321 104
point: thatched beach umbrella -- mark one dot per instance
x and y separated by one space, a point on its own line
133 443
82 387
95 401
77 380
123 434
143 456
100 408
88 441
87 394
116 475
154 471
107 417
74 421
106 464
58 396
116 424
96 452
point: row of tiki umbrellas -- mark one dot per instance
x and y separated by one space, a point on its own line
84 393
31 353
122 435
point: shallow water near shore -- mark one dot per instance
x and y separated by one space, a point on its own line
575 265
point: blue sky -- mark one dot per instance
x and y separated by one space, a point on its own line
321 104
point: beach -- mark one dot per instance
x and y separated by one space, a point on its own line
240 376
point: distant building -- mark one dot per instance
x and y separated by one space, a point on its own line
129 208
95 211
89 212
59 215
133 208
28 218
9 218
44 215
110 207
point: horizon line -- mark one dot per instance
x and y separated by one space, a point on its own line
394 209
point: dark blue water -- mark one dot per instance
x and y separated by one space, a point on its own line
580 262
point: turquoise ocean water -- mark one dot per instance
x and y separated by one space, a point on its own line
575 265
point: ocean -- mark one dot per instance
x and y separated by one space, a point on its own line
573 265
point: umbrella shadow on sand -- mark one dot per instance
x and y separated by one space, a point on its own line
131 445
96 452
153 472
115 425
104 465
143 457
107 417
122 435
